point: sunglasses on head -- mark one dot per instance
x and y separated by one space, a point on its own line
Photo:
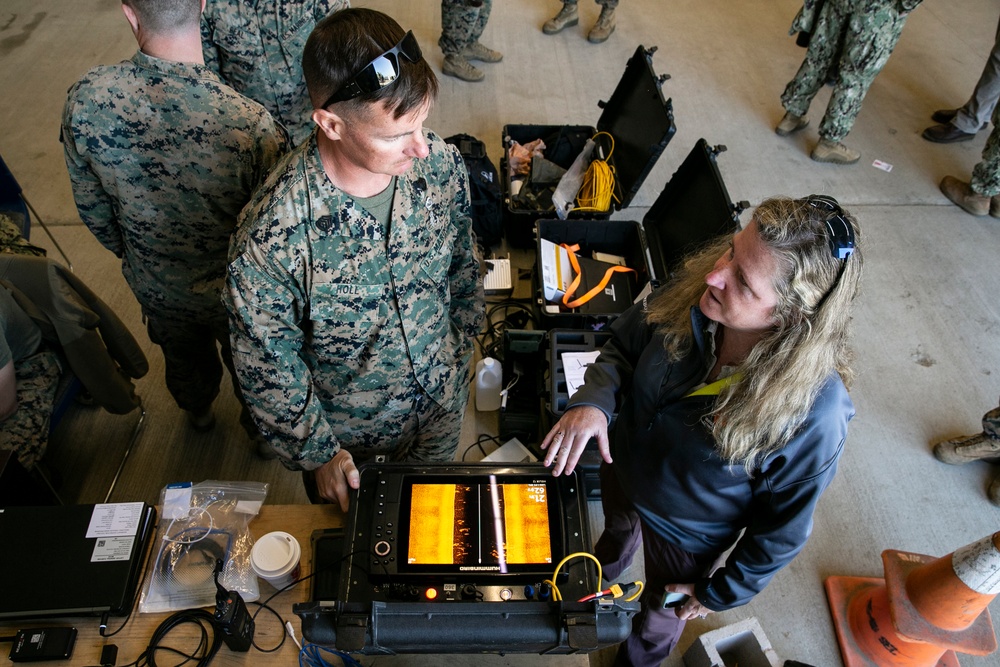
378 73
839 231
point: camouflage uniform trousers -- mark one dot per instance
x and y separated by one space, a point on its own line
193 354
26 432
865 33
424 433
986 174
462 24
610 4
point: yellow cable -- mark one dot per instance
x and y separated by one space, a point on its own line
598 187
637 593
556 595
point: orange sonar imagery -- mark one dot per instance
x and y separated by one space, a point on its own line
457 524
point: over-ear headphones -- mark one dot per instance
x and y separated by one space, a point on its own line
840 233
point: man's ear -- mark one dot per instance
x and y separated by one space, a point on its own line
330 123
132 19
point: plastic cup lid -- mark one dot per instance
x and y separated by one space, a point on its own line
275 553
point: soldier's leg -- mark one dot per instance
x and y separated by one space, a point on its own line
459 19
979 108
823 47
567 17
26 432
872 34
192 364
986 173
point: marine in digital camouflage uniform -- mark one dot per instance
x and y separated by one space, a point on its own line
162 156
33 384
462 24
256 47
352 320
868 30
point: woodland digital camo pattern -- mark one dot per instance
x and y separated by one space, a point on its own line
462 23
986 174
338 331
162 157
256 47
870 30
36 370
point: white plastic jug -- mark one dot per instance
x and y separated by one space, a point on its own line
488 381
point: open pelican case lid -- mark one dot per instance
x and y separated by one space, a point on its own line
637 116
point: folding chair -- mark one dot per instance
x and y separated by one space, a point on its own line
12 200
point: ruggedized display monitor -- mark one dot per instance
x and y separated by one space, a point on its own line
460 558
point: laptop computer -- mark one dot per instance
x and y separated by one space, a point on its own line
72 560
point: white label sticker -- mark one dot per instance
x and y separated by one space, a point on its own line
115 519
108 549
884 166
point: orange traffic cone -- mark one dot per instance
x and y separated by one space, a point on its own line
922 612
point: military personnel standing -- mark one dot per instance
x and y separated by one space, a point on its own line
462 24
162 157
864 32
256 47
569 16
353 285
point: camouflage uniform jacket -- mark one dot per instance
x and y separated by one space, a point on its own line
162 157
328 316
256 47
805 20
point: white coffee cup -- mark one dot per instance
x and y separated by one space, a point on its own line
275 558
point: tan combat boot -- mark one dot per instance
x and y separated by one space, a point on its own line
834 152
604 27
459 67
967 448
566 18
790 123
477 51
961 194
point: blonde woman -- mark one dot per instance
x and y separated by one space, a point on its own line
731 392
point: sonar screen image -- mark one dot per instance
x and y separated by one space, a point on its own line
463 524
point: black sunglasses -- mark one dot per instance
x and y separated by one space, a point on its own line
841 234
378 73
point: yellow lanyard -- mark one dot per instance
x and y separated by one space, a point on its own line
716 387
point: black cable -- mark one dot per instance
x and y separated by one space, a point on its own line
205 650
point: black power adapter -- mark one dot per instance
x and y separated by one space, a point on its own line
36 644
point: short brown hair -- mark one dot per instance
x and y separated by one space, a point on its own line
345 42
162 16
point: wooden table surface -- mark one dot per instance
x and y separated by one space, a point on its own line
299 520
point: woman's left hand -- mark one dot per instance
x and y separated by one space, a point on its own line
690 609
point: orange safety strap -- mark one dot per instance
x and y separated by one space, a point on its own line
577 274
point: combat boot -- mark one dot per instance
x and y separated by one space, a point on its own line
834 152
566 18
459 67
993 493
604 27
962 195
968 448
477 51
790 123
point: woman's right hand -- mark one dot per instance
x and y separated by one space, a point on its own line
568 438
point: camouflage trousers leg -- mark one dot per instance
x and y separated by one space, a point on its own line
194 353
610 4
986 174
462 23
26 432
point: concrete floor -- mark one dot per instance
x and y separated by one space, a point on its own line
926 328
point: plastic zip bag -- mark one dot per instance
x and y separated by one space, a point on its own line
199 524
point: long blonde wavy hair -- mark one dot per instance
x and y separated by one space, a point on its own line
783 373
